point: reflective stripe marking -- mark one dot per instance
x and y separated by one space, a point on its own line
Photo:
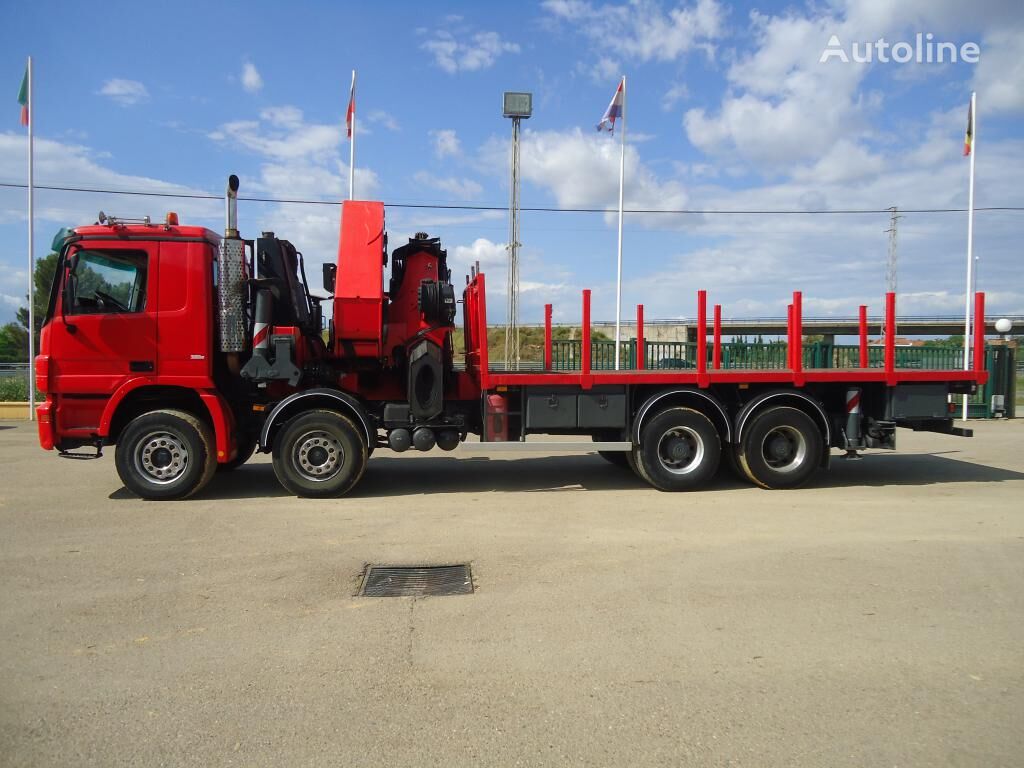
261 336
853 401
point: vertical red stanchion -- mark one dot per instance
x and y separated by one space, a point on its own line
485 369
864 362
789 337
716 350
979 331
585 341
547 337
798 332
702 333
641 344
890 338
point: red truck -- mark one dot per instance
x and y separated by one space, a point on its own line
189 351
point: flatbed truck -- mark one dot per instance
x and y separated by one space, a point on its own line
189 350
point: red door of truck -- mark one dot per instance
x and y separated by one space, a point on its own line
104 331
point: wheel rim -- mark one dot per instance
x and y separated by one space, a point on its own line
784 449
680 450
318 455
161 457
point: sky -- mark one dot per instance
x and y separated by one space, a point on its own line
730 107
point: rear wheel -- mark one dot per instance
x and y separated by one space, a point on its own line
167 454
781 449
679 450
319 454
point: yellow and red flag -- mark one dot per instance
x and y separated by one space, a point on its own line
969 135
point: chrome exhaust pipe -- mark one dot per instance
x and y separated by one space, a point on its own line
231 208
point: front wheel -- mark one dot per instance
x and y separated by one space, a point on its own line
679 450
319 454
781 449
166 454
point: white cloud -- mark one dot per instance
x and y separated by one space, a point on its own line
675 94
582 171
446 143
999 77
125 92
282 133
642 29
460 189
474 52
383 119
252 82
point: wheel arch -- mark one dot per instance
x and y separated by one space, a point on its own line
316 398
693 398
786 397
137 397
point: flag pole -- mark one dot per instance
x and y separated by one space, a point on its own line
31 254
618 275
352 147
970 243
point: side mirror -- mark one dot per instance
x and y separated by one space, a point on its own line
330 275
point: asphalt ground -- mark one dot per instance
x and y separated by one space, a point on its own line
875 618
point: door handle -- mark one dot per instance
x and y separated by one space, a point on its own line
141 366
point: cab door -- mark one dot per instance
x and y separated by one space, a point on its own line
105 329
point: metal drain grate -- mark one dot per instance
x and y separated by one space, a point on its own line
417 580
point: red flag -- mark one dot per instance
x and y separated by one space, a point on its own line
350 115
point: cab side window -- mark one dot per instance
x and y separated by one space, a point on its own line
107 282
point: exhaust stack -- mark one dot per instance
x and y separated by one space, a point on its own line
232 278
231 208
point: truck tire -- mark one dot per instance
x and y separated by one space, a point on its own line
679 450
781 448
319 454
166 454
246 448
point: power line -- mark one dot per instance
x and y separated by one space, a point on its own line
534 209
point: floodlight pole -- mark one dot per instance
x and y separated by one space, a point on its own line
512 323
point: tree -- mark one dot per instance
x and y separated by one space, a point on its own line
14 336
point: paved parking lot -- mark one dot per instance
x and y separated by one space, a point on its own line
874 619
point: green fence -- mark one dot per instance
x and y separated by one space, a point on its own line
680 355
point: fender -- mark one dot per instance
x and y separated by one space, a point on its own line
754 405
348 403
117 398
649 403
223 421
221 418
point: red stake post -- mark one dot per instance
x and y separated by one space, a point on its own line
864 362
798 337
702 333
547 337
979 331
641 344
789 337
585 365
890 338
716 350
